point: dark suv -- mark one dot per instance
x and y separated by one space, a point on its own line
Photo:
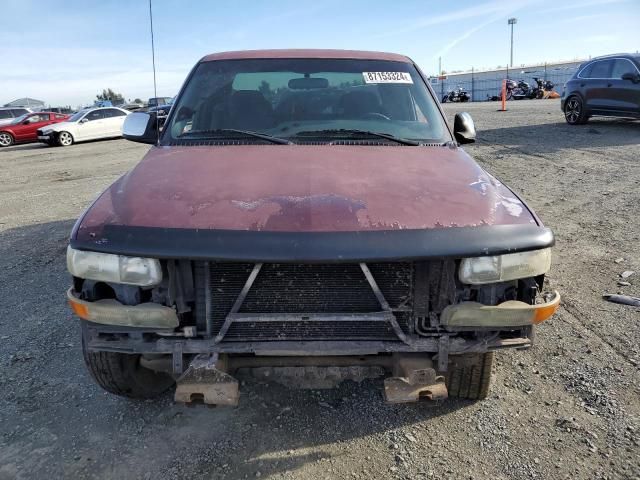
603 86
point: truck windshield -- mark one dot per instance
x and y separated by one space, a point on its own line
297 99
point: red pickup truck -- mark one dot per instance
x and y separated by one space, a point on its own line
310 213
23 128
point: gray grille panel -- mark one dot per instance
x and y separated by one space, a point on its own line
312 288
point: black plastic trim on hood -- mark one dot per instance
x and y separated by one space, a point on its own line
310 247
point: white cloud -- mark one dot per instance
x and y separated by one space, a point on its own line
581 5
494 10
74 76
601 38
464 36
457 14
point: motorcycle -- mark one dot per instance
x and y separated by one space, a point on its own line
456 95
542 86
518 90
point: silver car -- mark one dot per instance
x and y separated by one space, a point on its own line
8 114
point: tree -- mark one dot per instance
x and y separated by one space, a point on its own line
137 100
109 94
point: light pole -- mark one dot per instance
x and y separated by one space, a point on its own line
512 21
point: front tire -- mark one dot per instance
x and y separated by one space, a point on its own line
469 375
574 111
122 374
6 139
65 139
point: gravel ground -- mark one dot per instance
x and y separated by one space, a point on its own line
568 408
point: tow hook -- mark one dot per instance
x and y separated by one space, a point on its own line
414 379
206 381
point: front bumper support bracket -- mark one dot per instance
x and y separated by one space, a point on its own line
414 379
206 381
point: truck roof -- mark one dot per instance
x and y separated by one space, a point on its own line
306 53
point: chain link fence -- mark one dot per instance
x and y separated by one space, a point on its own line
486 84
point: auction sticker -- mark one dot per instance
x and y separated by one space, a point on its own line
387 77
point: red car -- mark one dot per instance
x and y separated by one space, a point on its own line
304 209
23 129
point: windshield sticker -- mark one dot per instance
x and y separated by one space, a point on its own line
387 77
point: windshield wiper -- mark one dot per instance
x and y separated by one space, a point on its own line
355 131
248 133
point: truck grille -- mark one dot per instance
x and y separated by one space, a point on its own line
304 290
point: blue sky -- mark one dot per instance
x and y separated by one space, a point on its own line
66 51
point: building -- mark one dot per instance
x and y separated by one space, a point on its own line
482 85
31 103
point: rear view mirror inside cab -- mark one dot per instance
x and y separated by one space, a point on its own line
307 83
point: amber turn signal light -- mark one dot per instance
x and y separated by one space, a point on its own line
545 312
79 309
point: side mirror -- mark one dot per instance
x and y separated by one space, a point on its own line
84 120
26 122
141 127
635 78
463 128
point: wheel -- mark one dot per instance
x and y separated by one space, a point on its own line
469 375
122 374
574 112
6 139
509 95
65 139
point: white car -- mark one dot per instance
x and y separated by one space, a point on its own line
87 124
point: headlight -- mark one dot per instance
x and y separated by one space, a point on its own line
501 268
106 267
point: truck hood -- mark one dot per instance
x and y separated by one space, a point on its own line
297 188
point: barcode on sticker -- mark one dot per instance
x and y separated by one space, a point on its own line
387 77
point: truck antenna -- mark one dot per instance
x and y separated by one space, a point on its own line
153 61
